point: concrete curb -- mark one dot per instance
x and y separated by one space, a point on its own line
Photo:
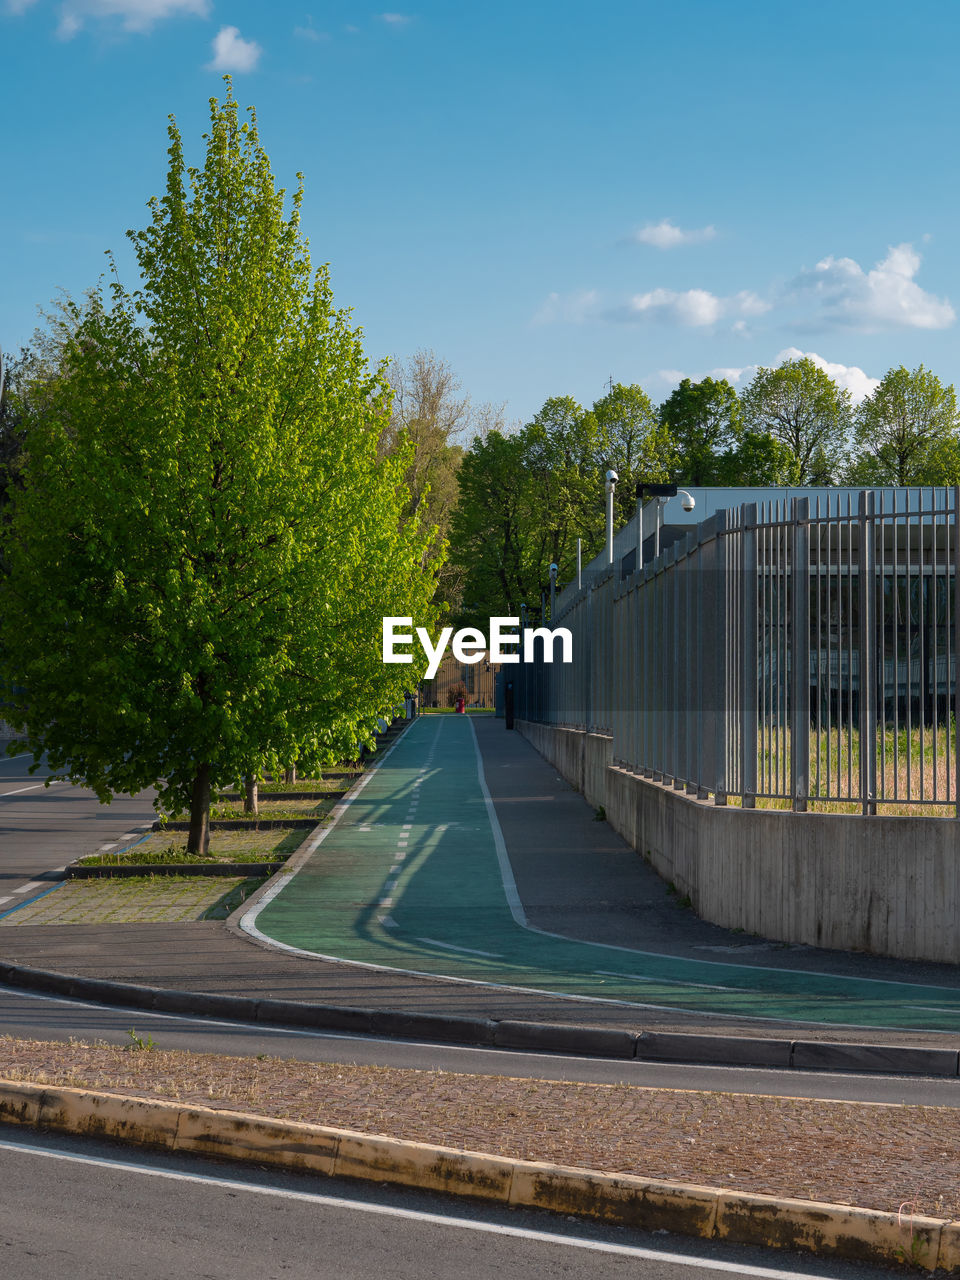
117 871
828 1230
546 1037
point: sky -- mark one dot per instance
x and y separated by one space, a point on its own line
548 196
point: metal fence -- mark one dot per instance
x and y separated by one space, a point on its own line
790 653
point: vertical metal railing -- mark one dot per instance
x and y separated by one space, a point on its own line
792 652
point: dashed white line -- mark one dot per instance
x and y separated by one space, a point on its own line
25 888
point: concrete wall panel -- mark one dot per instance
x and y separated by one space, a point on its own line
888 885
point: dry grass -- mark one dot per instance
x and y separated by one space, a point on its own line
872 1155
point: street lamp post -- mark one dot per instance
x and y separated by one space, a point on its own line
611 485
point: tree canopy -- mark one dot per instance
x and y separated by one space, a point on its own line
801 406
904 428
704 422
208 535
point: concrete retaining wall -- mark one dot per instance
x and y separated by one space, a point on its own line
886 885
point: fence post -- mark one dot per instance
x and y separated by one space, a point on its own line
721 603
749 624
800 655
954 564
867 600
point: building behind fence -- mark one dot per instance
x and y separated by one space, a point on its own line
796 650
475 679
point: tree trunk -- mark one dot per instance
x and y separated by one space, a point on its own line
251 797
198 837
291 774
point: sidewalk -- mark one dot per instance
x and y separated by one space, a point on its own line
574 877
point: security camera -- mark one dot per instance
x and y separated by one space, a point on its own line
687 500
612 476
554 568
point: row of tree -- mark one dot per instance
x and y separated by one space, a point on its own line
524 498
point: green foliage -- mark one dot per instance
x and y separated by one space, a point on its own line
634 442
757 459
906 431
705 424
803 408
140 1044
207 539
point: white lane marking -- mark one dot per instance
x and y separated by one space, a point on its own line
414 1215
20 790
518 913
25 888
6 899
248 924
22 756
665 982
253 1027
104 847
449 946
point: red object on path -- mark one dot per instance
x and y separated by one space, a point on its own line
461 706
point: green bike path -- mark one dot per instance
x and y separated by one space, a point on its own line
415 877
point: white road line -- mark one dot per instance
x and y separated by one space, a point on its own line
25 888
6 899
668 982
553 1238
449 946
20 790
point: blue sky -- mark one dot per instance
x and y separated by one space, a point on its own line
546 195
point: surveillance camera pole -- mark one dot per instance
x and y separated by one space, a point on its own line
554 569
661 493
611 485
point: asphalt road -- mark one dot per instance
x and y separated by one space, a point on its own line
43 828
95 1211
26 1015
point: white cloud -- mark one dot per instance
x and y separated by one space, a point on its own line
133 15
395 19
886 297
851 377
695 308
664 235
16 7
848 376
232 53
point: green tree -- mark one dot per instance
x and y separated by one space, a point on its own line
491 525
758 459
633 441
524 499
206 539
800 405
704 421
905 429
